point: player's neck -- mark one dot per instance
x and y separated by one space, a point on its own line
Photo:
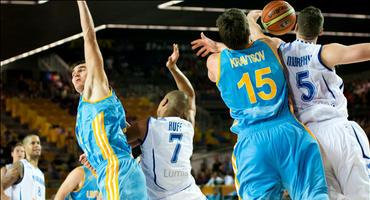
300 37
34 162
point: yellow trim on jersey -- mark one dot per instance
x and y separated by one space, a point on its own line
233 163
101 99
81 184
304 126
219 69
112 167
97 136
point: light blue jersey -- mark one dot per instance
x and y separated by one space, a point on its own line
99 130
252 85
99 134
274 151
89 188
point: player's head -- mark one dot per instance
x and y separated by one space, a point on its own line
79 75
233 28
310 23
17 152
175 104
32 146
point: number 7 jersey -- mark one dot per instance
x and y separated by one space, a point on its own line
317 90
252 85
165 159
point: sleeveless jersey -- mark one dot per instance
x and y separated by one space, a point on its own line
89 189
99 132
317 90
32 186
252 84
165 159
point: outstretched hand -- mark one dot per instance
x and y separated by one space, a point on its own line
171 62
207 45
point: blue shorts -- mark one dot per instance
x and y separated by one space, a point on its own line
275 155
121 178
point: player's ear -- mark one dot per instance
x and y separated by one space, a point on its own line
296 27
321 32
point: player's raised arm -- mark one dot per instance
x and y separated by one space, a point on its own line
96 86
183 84
70 184
336 54
206 45
256 31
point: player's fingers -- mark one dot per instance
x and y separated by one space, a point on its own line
202 35
196 44
201 51
205 53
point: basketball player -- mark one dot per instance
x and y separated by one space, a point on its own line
167 141
273 151
17 153
24 176
320 104
81 183
101 121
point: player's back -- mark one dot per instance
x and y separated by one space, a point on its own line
32 185
165 159
89 188
99 130
317 90
252 85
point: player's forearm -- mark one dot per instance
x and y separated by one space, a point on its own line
183 84
255 30
60 196
87 23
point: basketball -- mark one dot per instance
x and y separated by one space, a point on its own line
278 17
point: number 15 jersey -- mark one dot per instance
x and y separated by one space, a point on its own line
252 85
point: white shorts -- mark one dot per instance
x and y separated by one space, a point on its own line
191 193
346 155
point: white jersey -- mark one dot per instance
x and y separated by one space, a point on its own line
165 159
316 89
32 185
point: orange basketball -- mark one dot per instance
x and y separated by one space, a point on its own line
278 17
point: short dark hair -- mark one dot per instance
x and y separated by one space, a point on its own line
233 28
177 104
18 144
25 139
310 22
77 63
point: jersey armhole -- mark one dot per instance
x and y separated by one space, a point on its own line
320 60
146 132
20 178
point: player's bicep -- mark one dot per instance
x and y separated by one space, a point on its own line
70 183
94 63
336 54
213 62
13 175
